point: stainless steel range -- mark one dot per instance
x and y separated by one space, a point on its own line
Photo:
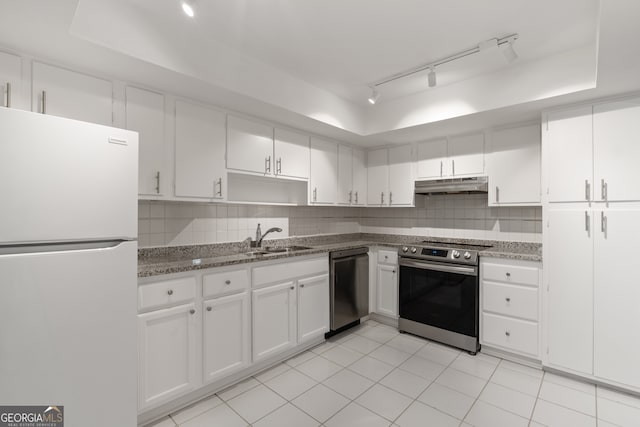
438 292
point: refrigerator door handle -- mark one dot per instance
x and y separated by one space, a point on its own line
59 247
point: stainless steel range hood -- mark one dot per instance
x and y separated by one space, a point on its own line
477 184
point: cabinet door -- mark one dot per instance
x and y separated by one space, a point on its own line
313 307
200 136
401 181
291 154
359 175
10 81
466 155
377 177
616 150
274 320
569 264
616 297
432 159
72 95
345 175
324 171
387 280
145 115
514 166
568 155
249 146
226 335
167 354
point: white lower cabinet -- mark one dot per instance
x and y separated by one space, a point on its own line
274 319
226 335
313 307
167 343
387 283
510 306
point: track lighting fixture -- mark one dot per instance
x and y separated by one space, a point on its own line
373 98
187 8
504 43
432 77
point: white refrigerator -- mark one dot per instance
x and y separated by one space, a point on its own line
68 256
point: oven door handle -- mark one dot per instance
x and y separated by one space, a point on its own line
458 269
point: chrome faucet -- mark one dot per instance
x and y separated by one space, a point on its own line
258 242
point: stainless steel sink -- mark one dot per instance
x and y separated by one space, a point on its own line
275 250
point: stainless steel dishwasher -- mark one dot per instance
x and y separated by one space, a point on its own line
349 287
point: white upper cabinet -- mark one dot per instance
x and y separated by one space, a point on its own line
72 95
377 177
359 185
568 155
145 115
199 152
458 156
616 150
513 166
10 81
324 171
466 154
249 146
345 175
401 180
291 154
432 156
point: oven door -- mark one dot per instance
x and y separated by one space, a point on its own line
441 295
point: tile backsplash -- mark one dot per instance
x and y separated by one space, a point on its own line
182 223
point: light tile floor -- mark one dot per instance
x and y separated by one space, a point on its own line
373 376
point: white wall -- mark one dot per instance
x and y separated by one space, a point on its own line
463 216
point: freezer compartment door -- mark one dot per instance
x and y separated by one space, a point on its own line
68 333
65 180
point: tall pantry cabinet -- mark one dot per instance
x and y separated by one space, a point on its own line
592 220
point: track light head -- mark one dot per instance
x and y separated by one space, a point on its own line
374 96
508 52
432 77
187 8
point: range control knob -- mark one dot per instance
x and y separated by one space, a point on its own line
467 255
414 250
455 254
405 249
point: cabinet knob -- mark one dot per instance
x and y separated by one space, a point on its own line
192 311
302 285
227 282
393 271
508 274
292 288
507 333
507 299
209 308
170 292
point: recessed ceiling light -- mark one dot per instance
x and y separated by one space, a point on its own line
374 96
187 8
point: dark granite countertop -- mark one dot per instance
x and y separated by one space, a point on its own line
176 259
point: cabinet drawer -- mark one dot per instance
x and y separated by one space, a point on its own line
225 282
388 257
289 270
510 300
511 334
510 273
166 293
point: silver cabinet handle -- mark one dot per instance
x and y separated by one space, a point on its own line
350 196
507 333
507 299
219 185
497 194
603 222
279 166
586 221
390 198
587 189
8 103
356 197
44 102
267 164
382 198
170 292
603 189
315 194
209 308
440 167
158 182
453 167
192 311
227 282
